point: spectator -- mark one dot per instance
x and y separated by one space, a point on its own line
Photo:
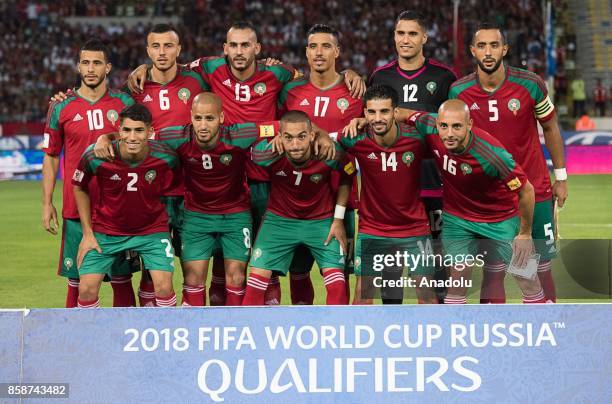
600 96
578 95
585 123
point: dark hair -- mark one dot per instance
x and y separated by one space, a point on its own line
136 112
243 24
409 15
323 29
295 116
381 92
490 25
162 29
96 45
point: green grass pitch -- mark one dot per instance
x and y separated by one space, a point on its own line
29 255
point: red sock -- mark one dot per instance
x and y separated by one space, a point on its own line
536 298
194 295
216 294
255 290
72 295
273 293
123 294
547 282
88 304
335 286
146 293
492 288
167 301
234 295
453 299
302 291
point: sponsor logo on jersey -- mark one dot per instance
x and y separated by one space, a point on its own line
342 104
227 83
316 178
115 178
112 116
436 153
408 158
514 105
46 138
281 173
147 98
474 107
192 160
349 168
150 176
466 168
77 117
372 156
514 184
266 130
256 253
225 159
68 263
78 175
259 88
304 103
431 87
184 95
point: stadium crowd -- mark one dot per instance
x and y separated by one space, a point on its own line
38 44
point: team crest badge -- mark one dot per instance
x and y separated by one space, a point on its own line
259 88
466 169
112 116
68 263
225 159
256 253
342 104
150 176
408 158
514 105
316 178
357 262
184 95
431 87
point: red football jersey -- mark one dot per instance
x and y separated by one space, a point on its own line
482 183
301 192
251 100
329 109
215 179
74 124
390 205
510 114
130 195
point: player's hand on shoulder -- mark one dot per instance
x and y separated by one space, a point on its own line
88 243
522 247
277 144
61 96
137 78
49 218
355 83
324 147
271 61
103 149
338 232
354 127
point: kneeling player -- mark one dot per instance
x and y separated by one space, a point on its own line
481 183
129 215
300 211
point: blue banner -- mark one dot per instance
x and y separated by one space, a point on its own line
500 353
11 344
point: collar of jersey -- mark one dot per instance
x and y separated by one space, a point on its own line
118 154
467 147
90 102
371 135
500 84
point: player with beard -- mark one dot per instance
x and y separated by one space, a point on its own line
73 124
509 102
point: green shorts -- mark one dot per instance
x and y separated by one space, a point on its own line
492 240
72 233
260 192
174 209
154 249
543 230
203 232
279 237
302 259
370 251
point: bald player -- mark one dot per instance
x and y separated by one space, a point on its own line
487 197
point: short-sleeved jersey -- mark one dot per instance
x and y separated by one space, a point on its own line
390 205
330 109
130 194
510 113
481 184
74 124
215 179
301 192
251 100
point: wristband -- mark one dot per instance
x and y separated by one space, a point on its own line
560 174
339 212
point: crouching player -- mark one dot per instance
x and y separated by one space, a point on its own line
300 210
481 183
129 215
